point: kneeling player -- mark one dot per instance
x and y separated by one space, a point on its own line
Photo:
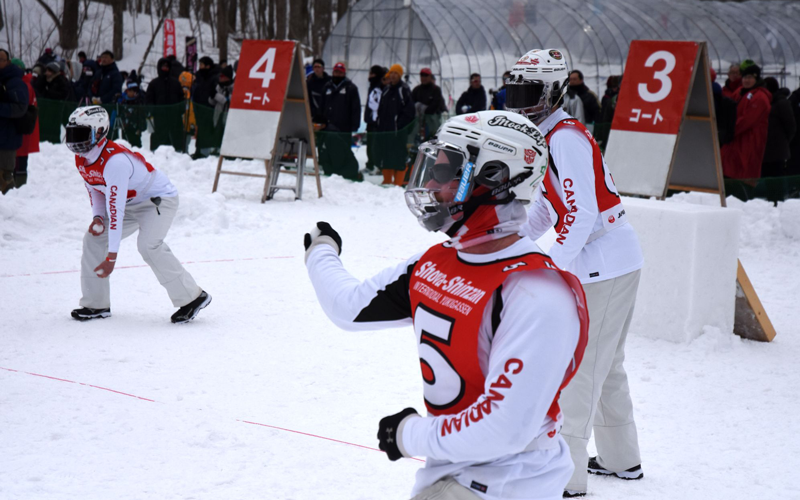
127 194
500 329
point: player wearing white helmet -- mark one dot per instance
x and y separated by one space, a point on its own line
492 364
126 194
594 241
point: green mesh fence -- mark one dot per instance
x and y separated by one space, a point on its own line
769 188
145 126
385 150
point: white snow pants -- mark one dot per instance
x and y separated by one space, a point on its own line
446 489
152 227
598 396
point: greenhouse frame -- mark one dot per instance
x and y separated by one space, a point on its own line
455 38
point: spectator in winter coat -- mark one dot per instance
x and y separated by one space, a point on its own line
203 89
132 115
733 83
341 116
499 98
474 98
429 104
377 75
165 93
591 108
13 105
793 165
741 159
83 86
782 129
725 109
54 85
175 67
222 95
108 81
187 80
205 81
316 82
608 106
30 142
395 114
46 57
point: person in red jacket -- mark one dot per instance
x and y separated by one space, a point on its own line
30 142
741 159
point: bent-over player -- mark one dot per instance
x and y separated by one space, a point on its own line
127 194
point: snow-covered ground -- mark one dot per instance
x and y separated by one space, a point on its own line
719 418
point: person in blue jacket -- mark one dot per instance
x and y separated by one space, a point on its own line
108 80
13 105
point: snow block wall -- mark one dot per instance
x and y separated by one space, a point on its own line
689 276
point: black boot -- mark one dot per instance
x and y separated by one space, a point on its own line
190 310
85 314
631 474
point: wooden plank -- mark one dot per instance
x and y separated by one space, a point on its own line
676 187
245 174
750 320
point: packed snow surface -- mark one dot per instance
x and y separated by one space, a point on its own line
134 407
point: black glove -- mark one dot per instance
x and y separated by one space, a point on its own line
323 233
387 433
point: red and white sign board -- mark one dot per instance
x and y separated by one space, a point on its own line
269 101
257 99
664 129
170 45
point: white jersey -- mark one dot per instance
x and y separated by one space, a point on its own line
114 175
588 249
514 450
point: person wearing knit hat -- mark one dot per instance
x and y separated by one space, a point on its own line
395 116
396 68
742 158
340 117
429 104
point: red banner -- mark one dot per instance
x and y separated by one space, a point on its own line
655 86
170 47
263 74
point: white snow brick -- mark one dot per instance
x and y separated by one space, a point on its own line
689 276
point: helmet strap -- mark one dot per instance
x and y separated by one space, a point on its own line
469 207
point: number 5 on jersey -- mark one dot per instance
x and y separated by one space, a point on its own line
444 387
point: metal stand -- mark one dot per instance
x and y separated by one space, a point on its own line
289 158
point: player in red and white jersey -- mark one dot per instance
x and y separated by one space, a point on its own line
500 329
595 242
127 194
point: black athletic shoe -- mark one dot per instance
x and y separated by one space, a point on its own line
85 314
573 494
631 474
190 310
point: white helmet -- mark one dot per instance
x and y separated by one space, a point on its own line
538 80
490 157
86 127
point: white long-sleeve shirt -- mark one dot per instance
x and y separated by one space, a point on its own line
613 254
125 180
538 326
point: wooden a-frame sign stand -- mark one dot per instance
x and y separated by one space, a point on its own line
253 131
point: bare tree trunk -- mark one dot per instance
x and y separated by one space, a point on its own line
341 8
232 7
298 21
272 30
156 31
222 31
184 8
118 9
280 19
207 11
323 9
244 11
69 25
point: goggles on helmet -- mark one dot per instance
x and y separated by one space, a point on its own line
442 177
80 138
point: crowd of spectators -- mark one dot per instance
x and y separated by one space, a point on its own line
757 120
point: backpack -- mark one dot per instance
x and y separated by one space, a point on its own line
26 123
